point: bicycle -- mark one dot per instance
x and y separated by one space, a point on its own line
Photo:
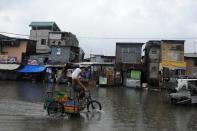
71 106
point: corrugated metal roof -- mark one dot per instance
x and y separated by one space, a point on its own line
4 37
44 24
174 41
128 43
192 55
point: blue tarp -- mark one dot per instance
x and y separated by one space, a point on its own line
72 103
32 69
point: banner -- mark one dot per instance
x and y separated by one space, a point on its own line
173 64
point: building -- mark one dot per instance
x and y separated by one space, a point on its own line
172 58
152 62
58 38
191 64
13 53
64 47
16 50
164 60
40 33
103 69
102 58
54 46
128 57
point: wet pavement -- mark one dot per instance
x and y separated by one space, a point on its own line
21 109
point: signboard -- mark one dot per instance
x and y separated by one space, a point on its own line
173 64
135 74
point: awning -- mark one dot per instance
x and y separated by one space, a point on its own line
32 69
173 64
9 66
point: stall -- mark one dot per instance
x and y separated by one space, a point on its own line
133 78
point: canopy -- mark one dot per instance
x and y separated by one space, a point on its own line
9 66
32 69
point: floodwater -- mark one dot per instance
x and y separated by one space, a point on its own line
21 109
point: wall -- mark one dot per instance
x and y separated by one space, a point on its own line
128 54
153 65
172 52
191 68
60 54
56 39
38 35
16 51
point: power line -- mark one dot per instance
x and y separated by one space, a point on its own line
14 34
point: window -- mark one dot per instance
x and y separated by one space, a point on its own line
154 68
154 51
58 51
43 42
195 62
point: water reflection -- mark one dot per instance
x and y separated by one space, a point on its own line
123 109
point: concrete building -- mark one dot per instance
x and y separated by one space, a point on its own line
128 57
152 62
40 33
64 47
58 38
53 45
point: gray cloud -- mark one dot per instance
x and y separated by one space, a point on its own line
106 18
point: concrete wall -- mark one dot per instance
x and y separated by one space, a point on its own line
38 35
154 54
61 55
62 39
153 71
153 65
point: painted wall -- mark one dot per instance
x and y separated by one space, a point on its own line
16 51
172 52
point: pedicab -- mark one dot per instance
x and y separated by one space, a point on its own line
61 104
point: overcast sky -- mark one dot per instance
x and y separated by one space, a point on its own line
95 20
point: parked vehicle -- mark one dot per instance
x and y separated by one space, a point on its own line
186 92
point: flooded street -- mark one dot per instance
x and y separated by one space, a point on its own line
21 109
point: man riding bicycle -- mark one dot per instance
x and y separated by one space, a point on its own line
77 86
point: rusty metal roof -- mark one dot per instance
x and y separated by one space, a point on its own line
191 55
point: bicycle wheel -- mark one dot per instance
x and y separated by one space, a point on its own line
94 105
55 109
